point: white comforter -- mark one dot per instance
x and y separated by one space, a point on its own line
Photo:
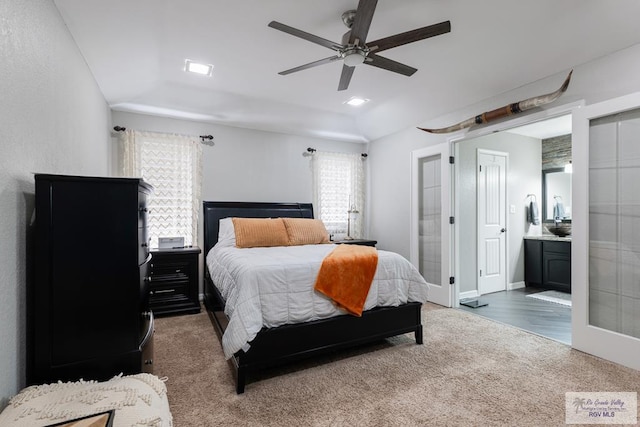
274 286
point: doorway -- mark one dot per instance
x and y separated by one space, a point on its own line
491 190
430 228
507 298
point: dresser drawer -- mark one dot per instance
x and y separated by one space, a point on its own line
163 301
143 245
160 289
144 286
146 345
557 247
143 210
170 270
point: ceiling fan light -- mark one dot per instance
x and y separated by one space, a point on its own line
352 59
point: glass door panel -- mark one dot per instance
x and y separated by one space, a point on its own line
606 230
614 223
430 228
429 220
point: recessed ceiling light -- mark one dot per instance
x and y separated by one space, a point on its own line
198 68
356 101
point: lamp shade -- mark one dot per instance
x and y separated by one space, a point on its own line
352 59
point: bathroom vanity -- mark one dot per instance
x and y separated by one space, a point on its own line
547 262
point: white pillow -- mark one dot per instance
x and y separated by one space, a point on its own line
226 233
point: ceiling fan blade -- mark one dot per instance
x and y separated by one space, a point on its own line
362 20
345 77
310 65
304 35
389 64
410 36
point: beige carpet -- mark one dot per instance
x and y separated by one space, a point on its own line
470 371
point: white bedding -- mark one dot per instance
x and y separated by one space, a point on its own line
274 286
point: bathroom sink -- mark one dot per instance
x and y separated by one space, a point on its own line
562 229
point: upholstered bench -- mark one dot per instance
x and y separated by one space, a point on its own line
137 400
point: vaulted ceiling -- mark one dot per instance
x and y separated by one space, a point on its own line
137 50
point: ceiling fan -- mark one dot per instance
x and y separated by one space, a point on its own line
354 49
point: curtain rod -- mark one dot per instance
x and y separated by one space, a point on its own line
203 137
313 150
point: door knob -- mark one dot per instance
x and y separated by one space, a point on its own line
503 230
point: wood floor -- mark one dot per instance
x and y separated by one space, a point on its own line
540 317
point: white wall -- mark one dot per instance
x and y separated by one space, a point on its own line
243 165
53 119
524 176
608 77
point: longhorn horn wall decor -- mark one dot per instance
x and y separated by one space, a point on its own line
508 110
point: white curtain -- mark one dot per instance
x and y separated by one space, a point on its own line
339 186
173 165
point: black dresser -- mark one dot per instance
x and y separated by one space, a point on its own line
88 307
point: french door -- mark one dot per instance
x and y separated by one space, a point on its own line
606 230
430 228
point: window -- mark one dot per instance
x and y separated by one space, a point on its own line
338 187
173 165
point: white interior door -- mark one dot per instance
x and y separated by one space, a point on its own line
605 268
430 228
492 221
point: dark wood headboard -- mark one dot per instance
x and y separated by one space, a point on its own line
215 211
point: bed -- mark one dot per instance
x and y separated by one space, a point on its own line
290 342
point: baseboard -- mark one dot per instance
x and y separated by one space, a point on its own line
515 285
468 295
475 294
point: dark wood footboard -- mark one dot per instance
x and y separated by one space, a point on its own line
288 343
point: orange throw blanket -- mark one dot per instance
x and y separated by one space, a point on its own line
346 274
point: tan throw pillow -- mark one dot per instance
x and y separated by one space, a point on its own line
305 231
260 232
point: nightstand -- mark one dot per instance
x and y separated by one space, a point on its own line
173 281
363 242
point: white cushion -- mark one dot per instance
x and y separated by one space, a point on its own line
139 399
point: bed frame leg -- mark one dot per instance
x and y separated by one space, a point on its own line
240 380
419 334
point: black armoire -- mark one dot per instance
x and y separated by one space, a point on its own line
87 313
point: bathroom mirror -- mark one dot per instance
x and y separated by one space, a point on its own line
556 194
